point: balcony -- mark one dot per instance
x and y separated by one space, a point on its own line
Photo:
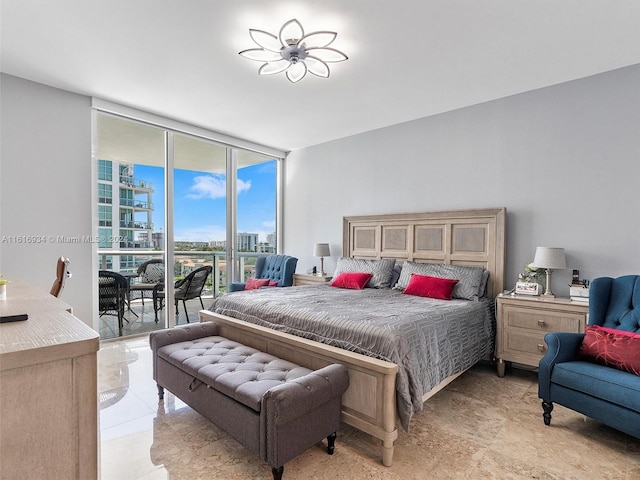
140 315
136 183
129 202
136 225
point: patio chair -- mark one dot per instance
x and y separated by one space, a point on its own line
188 288
112 295
150 274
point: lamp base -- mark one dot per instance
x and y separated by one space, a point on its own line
547 296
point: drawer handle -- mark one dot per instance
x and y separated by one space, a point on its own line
541 347
541 323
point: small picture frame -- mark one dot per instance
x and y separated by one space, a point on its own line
527 288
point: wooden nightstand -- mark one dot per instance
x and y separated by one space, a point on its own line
309 279
522 323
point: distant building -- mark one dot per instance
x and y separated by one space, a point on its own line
247 242
271 240
124 212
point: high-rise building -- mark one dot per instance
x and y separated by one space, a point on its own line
124 212
247 242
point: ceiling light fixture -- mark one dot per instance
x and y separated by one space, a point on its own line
294 52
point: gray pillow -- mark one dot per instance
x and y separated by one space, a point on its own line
382 270
396 274
469 277
482 291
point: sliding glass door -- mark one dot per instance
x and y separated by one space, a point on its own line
177 202
131 198
199 216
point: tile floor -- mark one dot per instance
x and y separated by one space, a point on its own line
479 427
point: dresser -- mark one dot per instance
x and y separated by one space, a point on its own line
309 279
522 323
48 393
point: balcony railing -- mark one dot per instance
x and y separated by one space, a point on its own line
134 244
186 262
135 182
139 225
129 202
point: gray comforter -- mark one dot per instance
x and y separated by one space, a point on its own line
428 339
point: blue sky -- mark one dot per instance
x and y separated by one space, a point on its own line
200 201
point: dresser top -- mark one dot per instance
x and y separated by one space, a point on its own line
50 333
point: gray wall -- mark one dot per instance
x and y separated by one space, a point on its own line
563 160
45 188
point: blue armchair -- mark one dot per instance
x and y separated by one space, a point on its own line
277 268
601 392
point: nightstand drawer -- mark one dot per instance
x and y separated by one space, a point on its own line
522 342
542 320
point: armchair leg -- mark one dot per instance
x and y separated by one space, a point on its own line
547 407
184 304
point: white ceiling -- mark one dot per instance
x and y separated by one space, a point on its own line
407 58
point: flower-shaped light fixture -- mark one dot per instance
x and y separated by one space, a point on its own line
294 52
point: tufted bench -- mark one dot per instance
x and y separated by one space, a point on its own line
274 407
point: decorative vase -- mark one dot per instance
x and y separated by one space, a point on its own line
3 291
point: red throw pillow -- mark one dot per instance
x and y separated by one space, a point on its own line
255 283
352 280
431 287
611 347
273 283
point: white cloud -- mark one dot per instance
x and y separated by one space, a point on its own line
269 224
213 186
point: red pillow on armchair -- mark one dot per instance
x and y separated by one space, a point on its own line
611 347
255 283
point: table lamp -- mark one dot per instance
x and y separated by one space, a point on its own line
321 250
550 259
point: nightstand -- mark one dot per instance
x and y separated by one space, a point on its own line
309 279
522 322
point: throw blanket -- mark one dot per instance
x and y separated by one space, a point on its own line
428 339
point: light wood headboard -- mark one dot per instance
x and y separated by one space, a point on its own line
459 237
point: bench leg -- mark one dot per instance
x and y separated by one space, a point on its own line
160 392
277 472
331 443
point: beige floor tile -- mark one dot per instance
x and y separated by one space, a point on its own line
479 427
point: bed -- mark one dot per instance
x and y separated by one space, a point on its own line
399 349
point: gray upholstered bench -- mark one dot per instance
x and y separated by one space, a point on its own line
274 407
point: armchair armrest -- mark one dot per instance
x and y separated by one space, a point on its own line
562 347
235 287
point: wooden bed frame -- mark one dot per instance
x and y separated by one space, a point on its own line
460 237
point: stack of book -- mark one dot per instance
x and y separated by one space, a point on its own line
579 293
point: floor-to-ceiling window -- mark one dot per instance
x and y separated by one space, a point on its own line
165 194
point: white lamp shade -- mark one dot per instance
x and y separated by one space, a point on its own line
549 258
321 250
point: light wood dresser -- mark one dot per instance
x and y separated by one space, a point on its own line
309 279
522 323
48 389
